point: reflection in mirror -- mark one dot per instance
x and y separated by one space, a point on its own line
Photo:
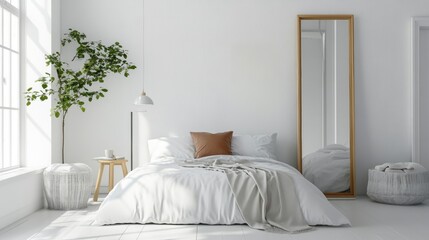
325 81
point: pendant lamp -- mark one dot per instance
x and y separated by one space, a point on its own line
143 99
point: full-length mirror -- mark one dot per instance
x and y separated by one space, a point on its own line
326 103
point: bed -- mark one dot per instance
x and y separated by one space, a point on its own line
165 191
328 168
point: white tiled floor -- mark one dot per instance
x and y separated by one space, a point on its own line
370 221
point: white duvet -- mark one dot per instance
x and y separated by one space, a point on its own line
167 193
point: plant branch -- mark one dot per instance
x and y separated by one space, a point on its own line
75 88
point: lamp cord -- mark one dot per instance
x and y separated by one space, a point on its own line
143 66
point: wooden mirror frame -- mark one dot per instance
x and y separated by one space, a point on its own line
350 18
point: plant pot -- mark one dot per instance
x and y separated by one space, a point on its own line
67 186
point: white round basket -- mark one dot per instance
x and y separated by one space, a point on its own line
398 188
67 186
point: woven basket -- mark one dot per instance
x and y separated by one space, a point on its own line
398 188
67 186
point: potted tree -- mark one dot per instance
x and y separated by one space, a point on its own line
75 87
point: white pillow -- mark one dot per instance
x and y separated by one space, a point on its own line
166 148
182 148
255 145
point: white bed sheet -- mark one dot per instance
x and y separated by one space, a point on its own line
167 193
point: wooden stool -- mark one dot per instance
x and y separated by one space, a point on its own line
111 164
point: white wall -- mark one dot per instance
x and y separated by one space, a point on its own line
342 84
312 94
106 123
21 196
36 42
216 65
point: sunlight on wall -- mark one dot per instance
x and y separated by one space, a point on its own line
37 41
142 131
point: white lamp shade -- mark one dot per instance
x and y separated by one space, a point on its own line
143 100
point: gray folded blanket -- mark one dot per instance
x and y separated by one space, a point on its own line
265 197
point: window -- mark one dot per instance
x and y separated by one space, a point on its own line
10 84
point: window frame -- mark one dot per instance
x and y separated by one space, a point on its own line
18 13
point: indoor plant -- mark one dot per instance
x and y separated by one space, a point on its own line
71 87
75 86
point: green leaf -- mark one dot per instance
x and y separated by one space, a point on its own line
83 109
71 86
28 103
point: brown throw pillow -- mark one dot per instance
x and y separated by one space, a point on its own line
208 144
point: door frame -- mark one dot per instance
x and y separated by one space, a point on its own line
417 24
